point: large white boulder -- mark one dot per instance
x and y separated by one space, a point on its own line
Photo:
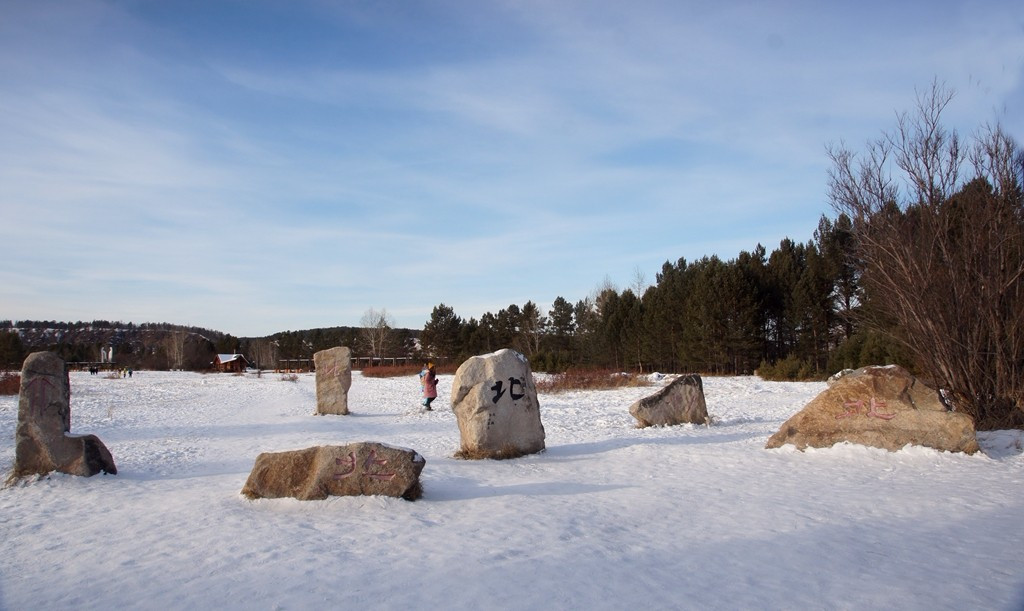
495 403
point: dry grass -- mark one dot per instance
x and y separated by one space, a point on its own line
589 379
395 371
390 371
10 383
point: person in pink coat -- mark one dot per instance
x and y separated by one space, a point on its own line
428 383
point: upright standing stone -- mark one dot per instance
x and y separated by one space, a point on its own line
42 440
680 402
333 379
495 403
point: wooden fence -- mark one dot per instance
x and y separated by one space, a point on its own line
358 362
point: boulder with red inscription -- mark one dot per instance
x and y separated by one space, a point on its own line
333 380
883 407
357 469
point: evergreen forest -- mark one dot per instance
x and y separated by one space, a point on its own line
791 313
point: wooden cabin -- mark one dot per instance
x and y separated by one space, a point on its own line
230 363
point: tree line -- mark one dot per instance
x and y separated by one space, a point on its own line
139 346
376 338
793 308
171 346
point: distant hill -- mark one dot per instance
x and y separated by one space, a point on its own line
170 346
140 346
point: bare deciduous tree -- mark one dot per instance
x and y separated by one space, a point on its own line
939 233
264 352
640 283
531 328
376 333
176 350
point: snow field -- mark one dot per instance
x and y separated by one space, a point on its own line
608 517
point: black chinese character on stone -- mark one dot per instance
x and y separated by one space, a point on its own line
512 382
499 389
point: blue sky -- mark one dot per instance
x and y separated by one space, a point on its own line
256 166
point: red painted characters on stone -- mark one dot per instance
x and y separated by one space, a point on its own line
856 408
39 394
330 370
363 468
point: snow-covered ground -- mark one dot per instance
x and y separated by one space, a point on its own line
609 517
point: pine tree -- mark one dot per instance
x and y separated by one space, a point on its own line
441 334
12 352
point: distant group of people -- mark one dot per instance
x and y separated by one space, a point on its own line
124 372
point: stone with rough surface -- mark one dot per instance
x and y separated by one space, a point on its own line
333 380
357 469
835 377
43 442
680 402
883 407
495 403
